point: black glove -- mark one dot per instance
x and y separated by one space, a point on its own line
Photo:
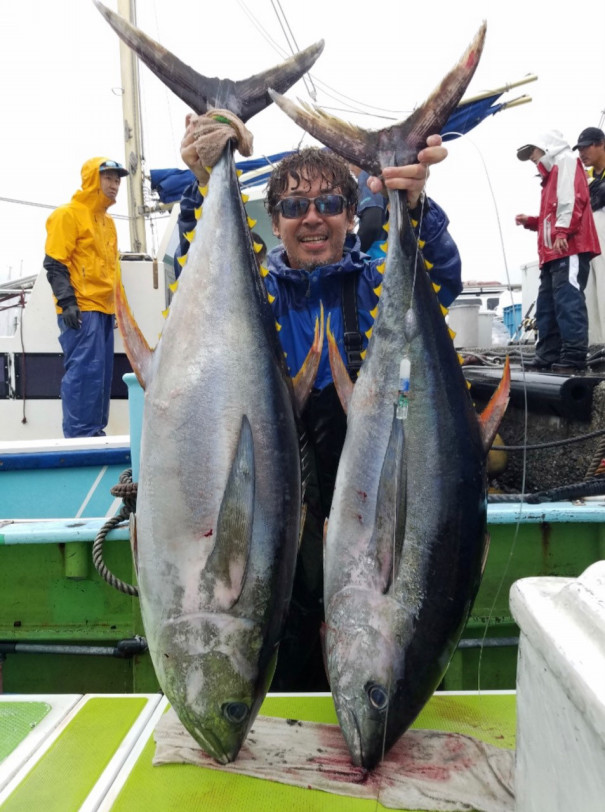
71 317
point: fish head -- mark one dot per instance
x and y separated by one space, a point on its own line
366 658
215 673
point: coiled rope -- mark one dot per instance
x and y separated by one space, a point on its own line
127 489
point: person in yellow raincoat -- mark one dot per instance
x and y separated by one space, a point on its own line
81 257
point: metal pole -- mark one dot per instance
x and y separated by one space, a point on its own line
133 141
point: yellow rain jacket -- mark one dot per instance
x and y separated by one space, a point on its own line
82 236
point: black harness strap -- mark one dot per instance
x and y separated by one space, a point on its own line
352 337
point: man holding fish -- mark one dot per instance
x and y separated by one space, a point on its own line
311 199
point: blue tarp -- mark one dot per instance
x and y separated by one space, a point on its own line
170 183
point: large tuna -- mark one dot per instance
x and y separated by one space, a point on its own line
219 493
406 539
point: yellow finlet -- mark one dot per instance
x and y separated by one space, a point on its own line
362 355
436 287
263 271
428 265
204 190
257 247
380 268
378 290
468 384
386 226
421 243
188 235
414 223
452 333
251 222
182 260
197 213
245 198
369 333
166 312
444 310
173 288
460 359
384 246
374 313
270 298
239 172
277 326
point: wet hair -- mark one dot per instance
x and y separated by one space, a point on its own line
304 166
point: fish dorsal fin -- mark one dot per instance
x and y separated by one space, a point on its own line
138 350
493 413
387 539
245 98
342 379
225 571
304 379
400 143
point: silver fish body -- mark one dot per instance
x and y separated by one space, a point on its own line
406 537
219 498
219 492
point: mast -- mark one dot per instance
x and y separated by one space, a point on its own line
133 141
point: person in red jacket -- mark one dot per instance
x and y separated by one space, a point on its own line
567 241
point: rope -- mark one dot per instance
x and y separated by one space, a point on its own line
597 463
127 489
596 487
537 446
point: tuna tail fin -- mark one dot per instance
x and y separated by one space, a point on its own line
400 143
244 98
493 413
138 350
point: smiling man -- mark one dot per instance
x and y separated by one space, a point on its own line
81 260
311 199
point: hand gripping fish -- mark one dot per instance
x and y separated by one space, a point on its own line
406 540
219 494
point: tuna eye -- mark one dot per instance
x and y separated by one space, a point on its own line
378 697
235 712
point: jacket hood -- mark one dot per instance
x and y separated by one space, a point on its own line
90 193
352 260
553 144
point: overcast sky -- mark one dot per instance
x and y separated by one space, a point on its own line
61 103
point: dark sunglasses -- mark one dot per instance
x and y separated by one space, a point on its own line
326 205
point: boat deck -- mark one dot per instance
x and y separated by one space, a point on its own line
70 752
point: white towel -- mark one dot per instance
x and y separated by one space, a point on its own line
425 769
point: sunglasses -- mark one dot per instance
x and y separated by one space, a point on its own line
326 205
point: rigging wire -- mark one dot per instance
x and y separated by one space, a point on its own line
362 108
288 34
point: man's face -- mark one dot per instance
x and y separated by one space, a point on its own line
536 155
590 154
312 240
110 184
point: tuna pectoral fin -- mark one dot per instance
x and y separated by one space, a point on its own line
342 379
137 349
494 411
305 377
225 570
387 538
200 93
